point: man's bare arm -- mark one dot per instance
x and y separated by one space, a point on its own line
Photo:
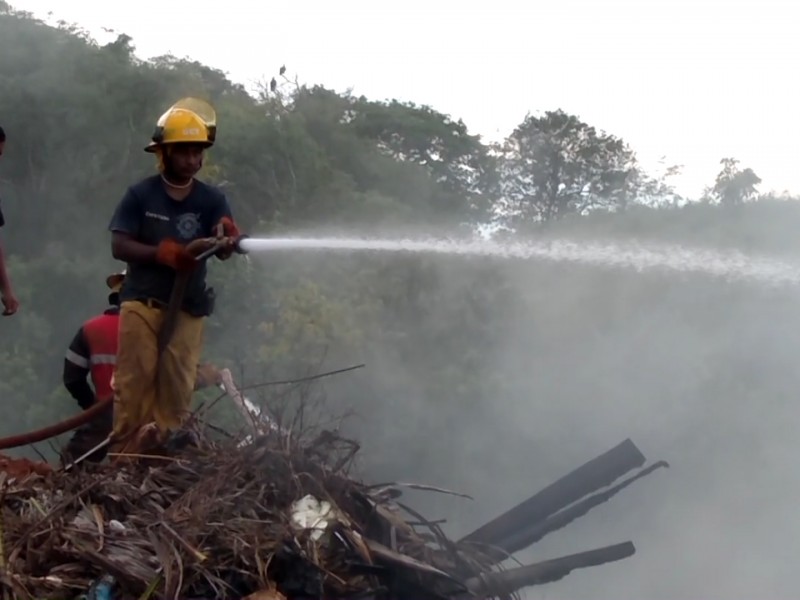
9 300
5 281
127 249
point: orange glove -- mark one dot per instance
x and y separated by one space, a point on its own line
229 228
226 228
175 255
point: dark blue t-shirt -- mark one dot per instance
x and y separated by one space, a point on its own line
150 215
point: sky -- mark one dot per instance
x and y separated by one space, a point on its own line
692 81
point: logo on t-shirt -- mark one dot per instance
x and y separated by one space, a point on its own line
153 215
188 225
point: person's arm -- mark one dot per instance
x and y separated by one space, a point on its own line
224 226
10 301
76 371
125 224
125 248
207 375
5 281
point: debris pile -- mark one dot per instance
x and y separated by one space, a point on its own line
221 521
274 518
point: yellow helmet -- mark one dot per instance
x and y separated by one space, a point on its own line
189 120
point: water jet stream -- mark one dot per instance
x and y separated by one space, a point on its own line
732 265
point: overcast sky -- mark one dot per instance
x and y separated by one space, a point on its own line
691 80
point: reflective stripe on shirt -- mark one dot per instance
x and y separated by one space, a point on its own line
77 359
103 359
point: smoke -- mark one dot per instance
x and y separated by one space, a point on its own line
494 378
696 373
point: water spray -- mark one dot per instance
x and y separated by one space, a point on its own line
732 264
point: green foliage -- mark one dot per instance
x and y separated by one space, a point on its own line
457 161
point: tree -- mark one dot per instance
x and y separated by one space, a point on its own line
557 165
457 161
733 185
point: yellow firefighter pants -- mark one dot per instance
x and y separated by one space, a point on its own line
148 389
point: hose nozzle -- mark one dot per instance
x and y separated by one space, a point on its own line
220 244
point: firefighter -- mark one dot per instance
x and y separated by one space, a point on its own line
158 228
92 354
9 299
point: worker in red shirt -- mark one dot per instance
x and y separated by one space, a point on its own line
92 354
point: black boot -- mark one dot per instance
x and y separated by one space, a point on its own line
181 440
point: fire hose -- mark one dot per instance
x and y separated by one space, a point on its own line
165 334
23 439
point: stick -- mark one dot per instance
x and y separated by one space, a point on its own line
527 536
87 454
241 403
591 476
498 584
302 379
